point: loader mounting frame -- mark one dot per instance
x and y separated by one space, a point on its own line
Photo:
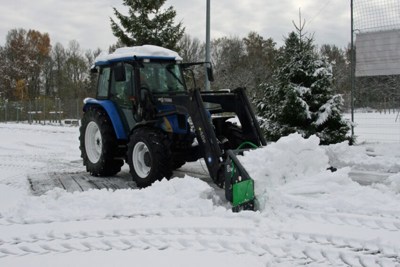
223 166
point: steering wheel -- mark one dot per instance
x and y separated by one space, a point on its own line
147 96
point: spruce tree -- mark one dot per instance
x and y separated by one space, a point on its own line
147 23
300 97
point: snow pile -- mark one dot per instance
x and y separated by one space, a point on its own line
290 159
394 182
377 158
162 198
10 197
293 173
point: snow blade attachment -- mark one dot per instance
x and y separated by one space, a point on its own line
239 187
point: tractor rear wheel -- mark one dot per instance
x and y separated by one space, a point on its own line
98 144
148 156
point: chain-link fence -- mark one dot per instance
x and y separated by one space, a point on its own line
376 100
376 15
42 110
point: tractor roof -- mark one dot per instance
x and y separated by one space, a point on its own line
137 52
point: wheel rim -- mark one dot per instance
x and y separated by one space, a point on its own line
93 142
141 159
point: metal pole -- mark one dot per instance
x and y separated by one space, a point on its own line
5 110
59 110
77 108
36 109
208 44
44 110
353 68
30 112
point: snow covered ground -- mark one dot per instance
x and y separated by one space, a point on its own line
308 215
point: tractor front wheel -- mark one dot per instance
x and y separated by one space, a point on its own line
148 159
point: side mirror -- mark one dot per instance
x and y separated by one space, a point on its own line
119 73
210 74
94 70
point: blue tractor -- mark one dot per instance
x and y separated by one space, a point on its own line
145 114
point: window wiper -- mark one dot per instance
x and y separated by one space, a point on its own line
174 74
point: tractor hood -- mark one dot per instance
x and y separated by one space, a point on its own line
137 52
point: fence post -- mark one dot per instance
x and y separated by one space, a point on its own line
44 110
5 110
30 112
17 107
59 110
77 108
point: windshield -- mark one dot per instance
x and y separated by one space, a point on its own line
162 77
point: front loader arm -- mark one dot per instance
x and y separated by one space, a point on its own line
192 104
206 136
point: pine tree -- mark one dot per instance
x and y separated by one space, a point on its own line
300 97
147 23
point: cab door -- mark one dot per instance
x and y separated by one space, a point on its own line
121 92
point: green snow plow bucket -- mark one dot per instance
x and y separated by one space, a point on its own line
239 187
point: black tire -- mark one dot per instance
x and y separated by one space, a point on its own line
176 164
148 156
180 147
234 135
98 145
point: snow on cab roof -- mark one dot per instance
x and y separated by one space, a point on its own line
141 52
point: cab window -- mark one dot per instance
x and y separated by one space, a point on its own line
162 77
104 80
121 91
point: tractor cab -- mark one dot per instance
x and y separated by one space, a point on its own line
136 78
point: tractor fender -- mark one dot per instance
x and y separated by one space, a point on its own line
111 111
142 124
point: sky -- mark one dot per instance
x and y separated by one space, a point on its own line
88 21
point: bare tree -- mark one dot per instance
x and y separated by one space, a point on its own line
191 49
228 55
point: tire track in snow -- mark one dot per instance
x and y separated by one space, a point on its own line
296 248
351 245
374 223
389 223
367 251
19 163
